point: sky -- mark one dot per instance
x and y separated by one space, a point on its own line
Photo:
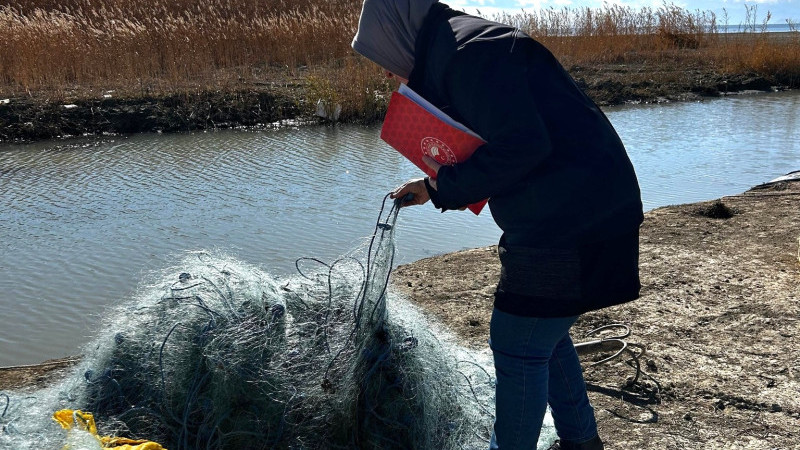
781 10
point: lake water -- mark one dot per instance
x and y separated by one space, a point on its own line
757 28
82 220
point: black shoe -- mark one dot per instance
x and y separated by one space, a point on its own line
592 444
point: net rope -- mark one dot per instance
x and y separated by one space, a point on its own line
217 354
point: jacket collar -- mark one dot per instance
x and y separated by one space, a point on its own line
438 13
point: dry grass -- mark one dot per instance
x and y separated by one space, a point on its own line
150 47
618 34
49 43
357 85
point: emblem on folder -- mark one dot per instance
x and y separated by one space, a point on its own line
410 125
438 150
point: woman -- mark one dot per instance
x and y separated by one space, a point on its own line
561 187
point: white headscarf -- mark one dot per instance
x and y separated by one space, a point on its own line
387 32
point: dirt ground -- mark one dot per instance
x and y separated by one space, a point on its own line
35 375
718 315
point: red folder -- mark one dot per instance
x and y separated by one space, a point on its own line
414 128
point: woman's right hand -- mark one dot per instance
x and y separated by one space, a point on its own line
416 187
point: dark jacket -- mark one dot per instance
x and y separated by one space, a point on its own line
560 184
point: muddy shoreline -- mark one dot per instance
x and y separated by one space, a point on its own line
32 117
26 119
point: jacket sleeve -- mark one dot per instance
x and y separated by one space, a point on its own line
492 94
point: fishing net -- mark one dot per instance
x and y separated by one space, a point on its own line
217 354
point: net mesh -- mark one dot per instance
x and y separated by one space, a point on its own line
217 354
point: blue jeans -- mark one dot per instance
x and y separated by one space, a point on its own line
536 364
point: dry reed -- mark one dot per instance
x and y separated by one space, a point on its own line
90 41
173 45
619 34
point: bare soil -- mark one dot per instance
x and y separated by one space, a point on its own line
718 315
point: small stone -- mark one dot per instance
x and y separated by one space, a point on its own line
776 407
687 417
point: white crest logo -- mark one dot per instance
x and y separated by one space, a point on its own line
438 150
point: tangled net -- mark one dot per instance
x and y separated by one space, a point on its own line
219 355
